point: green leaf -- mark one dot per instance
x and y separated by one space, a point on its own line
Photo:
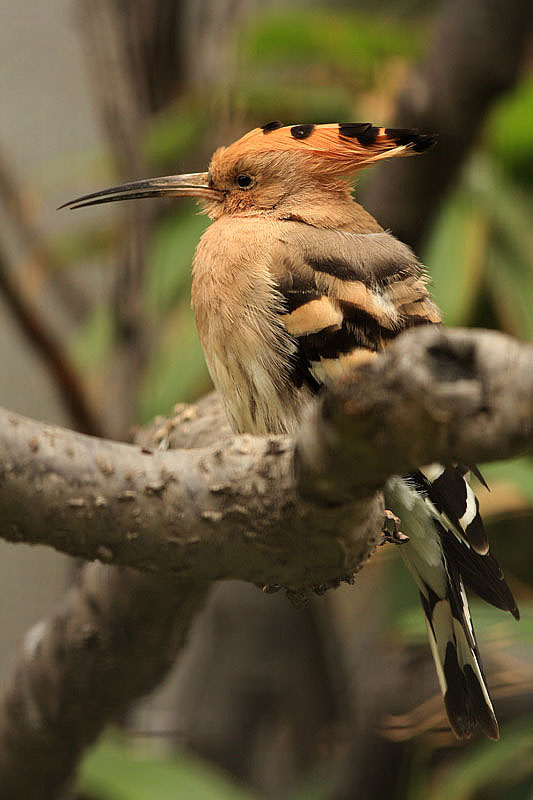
177 370
509 131
115 770
341 40
455 257
508 208
170 256
484 239
518 471
488 764
512 293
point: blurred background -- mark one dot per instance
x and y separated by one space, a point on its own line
339 699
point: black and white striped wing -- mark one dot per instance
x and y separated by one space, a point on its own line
345 297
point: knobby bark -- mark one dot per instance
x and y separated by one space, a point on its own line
301 513
113 641
222 510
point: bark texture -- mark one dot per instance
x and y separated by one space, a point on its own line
223 510
303 513
116 636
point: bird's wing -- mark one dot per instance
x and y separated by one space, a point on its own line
346 296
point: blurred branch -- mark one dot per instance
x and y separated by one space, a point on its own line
32 240
110 45
120 100
477 53
114 640
223 509
156 37
69 385
31 321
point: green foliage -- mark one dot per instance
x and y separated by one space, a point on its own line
491 770
483 242
170 256
171 134
456 257
346 42
482 246
115 770
509 134
177 370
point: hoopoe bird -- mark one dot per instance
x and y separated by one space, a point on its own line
295 285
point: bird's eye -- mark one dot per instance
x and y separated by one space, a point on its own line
244 181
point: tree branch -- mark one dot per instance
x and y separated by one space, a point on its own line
31 237
31 321
265 509
477 53
223 510
122 104
73 394
116 636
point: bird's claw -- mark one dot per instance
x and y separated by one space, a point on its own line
391 530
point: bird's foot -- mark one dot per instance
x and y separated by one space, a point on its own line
391 530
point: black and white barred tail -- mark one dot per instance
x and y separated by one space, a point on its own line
456 654
442 561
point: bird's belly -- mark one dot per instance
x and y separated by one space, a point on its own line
248 350
250 362
258 398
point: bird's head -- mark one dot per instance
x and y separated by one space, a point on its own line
278 169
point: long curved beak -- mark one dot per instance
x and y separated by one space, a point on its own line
195 184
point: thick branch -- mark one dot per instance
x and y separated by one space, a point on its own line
118 633
209 513
116 636
437 395
223 511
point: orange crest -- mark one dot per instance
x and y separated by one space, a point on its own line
339 148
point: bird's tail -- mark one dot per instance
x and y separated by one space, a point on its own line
455 651
442 561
